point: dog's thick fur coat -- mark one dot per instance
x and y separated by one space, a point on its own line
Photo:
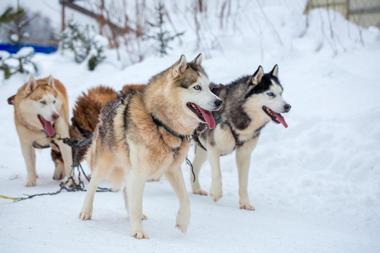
143 135
41 111
249 104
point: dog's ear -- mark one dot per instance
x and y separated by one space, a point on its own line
51 81
216 88
179 67
11 100
274 71
257 76
198 59
30 86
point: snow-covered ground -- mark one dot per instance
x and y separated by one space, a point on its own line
315 185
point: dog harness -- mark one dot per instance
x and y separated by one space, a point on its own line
159 123
235 135
238 142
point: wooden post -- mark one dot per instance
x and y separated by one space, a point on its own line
63 16
101 17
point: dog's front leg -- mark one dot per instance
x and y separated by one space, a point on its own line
88 202
125 196
30 160
243 158
216 183
56 156
135 191
175 178
200 157
63 130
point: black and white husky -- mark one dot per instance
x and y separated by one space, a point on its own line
249 104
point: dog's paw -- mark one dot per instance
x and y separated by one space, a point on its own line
59 176
140 235
32 181
85 215
200 192
182 228
183 220
247 206
216 193
70 182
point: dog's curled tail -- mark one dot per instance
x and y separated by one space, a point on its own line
86 112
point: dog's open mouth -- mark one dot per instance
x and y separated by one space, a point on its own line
47 126
276 117
203 115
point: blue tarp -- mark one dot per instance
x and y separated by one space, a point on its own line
46 49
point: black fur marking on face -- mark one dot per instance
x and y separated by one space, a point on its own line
186 83
264 85
196 68
216 88
277 81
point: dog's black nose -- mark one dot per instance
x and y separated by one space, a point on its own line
287 107
218 103
55 116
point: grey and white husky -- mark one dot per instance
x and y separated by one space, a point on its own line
249 104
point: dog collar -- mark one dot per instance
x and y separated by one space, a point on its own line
159 123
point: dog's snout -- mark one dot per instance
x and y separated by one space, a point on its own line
55 116
287 107
218 103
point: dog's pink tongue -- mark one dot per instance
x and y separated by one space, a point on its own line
48 128
208 117
281 119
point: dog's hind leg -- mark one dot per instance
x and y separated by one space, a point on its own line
117 178
175 178
56 156
200 156
216 184
243 158
66 152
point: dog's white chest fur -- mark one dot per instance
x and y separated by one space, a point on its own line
224 140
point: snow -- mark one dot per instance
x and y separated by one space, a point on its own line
24 52
315 185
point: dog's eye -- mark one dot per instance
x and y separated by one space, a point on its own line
197 87
54 101
43 102
271 94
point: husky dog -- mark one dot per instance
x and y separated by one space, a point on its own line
143 135
249 104
41 113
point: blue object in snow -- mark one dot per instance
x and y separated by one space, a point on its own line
11 48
